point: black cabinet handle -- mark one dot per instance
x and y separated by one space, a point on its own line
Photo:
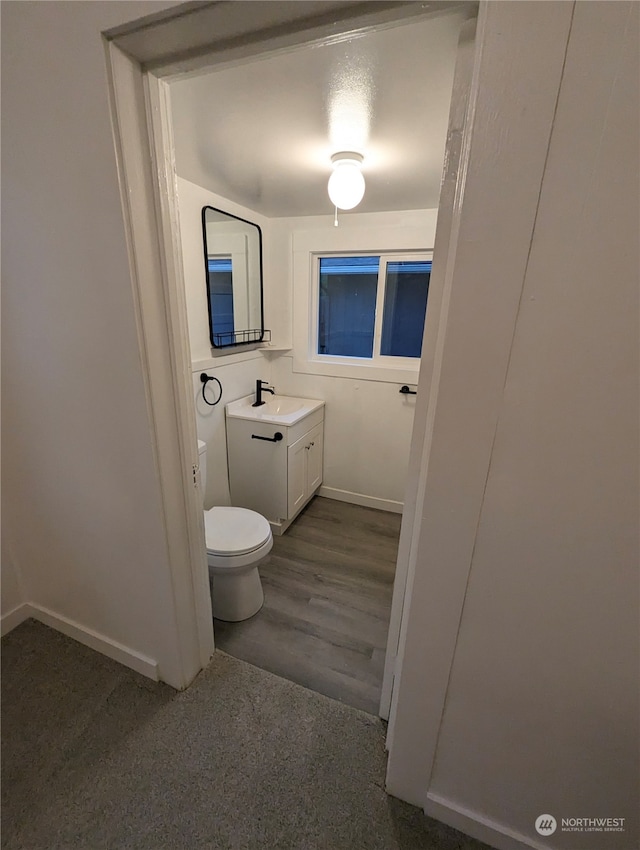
406 391
275 439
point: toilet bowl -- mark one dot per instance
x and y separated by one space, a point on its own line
237 541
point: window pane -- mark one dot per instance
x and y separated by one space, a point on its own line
221 297
405 306
347 305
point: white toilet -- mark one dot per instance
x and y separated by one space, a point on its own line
237 541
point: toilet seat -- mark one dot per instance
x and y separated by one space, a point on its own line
232 532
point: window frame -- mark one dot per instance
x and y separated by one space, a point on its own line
406 232
377 360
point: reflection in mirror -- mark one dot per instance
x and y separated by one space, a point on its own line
233 264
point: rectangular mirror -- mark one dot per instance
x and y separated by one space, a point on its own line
233 268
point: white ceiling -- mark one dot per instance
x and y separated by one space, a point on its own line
262 133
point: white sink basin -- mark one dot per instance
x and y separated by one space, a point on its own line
279 409
281 405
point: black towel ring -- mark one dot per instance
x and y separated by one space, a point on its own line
205 379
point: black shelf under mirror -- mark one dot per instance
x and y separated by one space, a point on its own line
229 338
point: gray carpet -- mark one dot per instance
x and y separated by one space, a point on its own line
95 756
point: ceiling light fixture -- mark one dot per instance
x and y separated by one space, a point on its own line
346 184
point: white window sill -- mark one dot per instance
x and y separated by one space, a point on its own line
357 369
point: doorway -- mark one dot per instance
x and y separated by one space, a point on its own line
174 303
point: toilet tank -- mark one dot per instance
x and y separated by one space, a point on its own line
202 463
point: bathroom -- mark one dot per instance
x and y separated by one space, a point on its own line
255 145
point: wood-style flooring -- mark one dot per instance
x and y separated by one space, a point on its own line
327 588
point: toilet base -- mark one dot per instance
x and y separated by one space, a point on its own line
236 596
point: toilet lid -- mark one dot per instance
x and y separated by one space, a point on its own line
234 531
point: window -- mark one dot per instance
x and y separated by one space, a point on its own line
372 307
221 296
347 305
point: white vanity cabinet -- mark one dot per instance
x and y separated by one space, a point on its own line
304 469
275 465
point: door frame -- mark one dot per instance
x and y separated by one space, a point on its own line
492 215
161 324
416 475
505 146
139 66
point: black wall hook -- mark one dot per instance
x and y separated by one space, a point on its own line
406 391
205 379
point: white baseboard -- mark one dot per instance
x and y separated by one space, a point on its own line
106 646
360 499
13 618
477 826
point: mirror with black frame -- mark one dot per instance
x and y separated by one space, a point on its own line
233 268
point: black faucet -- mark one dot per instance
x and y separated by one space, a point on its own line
261 387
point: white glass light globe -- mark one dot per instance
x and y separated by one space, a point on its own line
346 185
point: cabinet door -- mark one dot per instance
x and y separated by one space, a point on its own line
297 475
314 441
257 468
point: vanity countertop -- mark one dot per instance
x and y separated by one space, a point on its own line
277 409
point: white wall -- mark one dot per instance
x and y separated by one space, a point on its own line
553 584
367 422
12 596
236 369
238 378
541 702
191 199
12 605
83 507
367 435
